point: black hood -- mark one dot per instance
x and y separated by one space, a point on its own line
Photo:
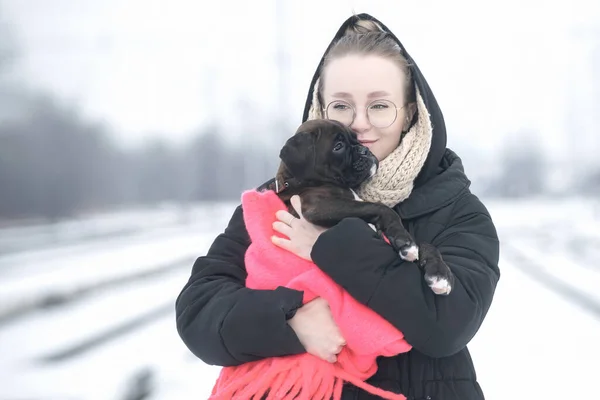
438 140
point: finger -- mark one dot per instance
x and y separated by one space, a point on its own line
284 216
282 228
283 243
337 346
338 349
296 203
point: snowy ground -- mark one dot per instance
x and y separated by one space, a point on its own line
86 312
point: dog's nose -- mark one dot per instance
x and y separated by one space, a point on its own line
362 150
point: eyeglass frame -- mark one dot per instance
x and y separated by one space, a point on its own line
324 109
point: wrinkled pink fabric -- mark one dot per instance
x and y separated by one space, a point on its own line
305 376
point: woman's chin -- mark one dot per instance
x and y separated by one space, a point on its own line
381 154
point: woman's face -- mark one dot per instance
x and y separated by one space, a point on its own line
373 82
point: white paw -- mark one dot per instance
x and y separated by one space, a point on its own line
410 254
440 285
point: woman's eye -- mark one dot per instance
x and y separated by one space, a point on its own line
339 146
341 107
379 106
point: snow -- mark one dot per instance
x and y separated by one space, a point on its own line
64 276
536 343
78 229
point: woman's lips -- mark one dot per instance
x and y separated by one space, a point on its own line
367 143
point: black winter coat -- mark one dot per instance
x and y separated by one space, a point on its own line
224 323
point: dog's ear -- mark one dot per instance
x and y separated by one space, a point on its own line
298 155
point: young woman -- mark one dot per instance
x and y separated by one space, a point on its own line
369 82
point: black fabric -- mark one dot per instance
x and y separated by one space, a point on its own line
224 323
445 213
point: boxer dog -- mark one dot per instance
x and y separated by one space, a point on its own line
322 163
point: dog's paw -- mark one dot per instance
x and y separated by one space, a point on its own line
401 241
438 276
438 285
408 251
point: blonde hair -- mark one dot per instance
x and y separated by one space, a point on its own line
363 26
364 37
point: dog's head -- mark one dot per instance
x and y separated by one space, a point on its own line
325 151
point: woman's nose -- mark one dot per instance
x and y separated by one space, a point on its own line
361 122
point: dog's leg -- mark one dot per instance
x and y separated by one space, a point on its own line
328 212
437 274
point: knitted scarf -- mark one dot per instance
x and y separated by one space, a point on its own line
393 182
305 376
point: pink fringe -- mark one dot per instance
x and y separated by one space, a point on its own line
301 377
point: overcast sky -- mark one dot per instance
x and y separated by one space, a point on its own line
150 67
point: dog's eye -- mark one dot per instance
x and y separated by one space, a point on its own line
338 146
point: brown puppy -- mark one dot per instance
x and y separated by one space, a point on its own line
322 163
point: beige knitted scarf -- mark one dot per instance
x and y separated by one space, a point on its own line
394 180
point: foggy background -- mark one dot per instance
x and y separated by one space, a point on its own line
129 129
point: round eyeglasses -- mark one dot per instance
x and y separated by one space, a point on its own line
380 113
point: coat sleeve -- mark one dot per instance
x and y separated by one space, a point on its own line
224 323
369 269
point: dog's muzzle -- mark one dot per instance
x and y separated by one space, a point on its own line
364 160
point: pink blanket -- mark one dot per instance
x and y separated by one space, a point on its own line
305 376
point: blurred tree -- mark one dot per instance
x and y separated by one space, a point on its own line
8 54
217 171
589 184
157 180
207 159
7 46
52 163
55 163
523 167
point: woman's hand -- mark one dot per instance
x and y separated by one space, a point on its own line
317 331
301 233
